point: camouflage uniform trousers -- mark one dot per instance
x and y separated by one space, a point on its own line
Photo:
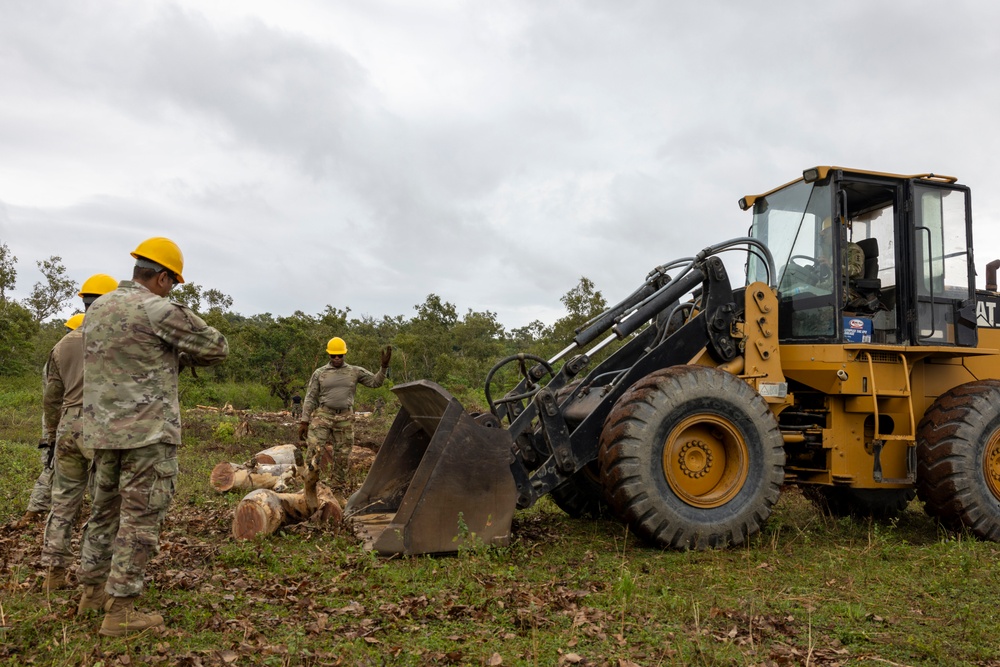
41 494
72 479
331 436
132 491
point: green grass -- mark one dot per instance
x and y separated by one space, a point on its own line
200 391
21 408
806 590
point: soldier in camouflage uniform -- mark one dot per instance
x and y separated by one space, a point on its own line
61 410
135 343
852 262
818 279
327 421
40 499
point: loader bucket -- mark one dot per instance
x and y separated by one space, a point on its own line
441 480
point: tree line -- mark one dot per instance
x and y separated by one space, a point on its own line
280 352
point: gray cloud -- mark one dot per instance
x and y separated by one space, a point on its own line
367 156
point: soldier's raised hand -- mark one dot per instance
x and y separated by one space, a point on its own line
386 356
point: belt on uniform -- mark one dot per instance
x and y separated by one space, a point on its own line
339 411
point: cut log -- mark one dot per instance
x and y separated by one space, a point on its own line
234 476
259 513
276 454
272 468
262 511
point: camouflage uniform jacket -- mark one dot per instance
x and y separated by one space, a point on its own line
63 381
134 341
854 261
334 387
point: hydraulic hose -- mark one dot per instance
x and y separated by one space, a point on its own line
608 317
669 293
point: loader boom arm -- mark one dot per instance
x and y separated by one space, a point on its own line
568 447
444 478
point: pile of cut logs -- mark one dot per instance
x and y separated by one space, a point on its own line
269 505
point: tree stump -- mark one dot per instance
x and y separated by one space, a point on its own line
263 511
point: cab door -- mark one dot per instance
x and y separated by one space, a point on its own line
942 266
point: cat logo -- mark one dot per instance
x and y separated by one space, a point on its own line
986 313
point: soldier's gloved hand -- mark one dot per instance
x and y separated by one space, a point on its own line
303 430
386 356
50 455
184 361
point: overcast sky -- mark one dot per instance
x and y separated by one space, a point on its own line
366 154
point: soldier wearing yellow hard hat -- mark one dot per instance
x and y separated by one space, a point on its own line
135 342
327 421
95 286
162 256
61 437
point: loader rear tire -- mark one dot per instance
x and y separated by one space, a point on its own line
958 459
582 496
841 501
692 458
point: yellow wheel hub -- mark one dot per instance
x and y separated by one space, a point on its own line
991 465
706 461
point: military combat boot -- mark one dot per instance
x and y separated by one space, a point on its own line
120 618
93 599
55 578
28 519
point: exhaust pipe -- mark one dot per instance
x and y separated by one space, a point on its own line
991 275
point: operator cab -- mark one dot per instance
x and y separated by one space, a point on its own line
866 257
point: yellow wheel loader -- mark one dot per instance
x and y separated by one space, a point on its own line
858 362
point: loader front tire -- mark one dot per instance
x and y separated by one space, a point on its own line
958 459
691 458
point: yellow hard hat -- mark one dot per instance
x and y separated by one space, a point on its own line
75 321
828 223
99 283
164 252
336 346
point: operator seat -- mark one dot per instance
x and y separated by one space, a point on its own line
866 291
